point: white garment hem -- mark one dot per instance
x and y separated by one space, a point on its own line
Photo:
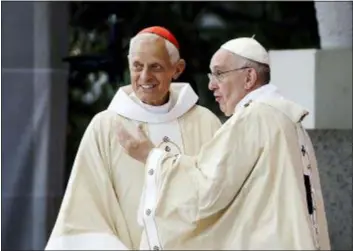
89 241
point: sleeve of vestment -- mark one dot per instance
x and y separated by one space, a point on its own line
213 177
90 209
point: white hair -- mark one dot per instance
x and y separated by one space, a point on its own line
172 50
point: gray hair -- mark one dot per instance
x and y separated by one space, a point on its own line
172 50
262 70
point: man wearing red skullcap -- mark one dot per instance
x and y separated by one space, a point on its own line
101 205
254 186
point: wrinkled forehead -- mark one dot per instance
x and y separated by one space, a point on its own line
222 59
148 49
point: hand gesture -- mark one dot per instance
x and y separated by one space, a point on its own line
138 148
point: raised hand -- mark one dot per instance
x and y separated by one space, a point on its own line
137 147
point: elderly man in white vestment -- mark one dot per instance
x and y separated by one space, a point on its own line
100 207
254 186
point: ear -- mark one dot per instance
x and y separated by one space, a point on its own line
251 79
179 68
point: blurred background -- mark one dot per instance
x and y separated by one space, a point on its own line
62 63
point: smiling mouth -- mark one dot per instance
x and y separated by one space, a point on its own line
148 86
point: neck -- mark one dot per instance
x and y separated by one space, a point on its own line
254 88
158 108
160 102
263 91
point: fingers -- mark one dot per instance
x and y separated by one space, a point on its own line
141 133
121 133
131 143
124 137
144 139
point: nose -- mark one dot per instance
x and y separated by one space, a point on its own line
145 75
212 85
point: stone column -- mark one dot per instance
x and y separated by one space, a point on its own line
334 147
34 111
335 24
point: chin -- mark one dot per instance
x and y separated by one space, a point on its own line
153 99
226 111
223 110
147 99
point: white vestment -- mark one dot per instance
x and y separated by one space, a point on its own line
100 206
254 186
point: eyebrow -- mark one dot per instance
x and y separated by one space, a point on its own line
149 63
217 67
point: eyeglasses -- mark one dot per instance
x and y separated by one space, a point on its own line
219 76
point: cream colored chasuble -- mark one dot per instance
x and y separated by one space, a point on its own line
100 207
254 186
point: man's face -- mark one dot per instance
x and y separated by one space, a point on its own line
151 70
228 88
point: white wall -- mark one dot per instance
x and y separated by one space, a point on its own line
320 80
